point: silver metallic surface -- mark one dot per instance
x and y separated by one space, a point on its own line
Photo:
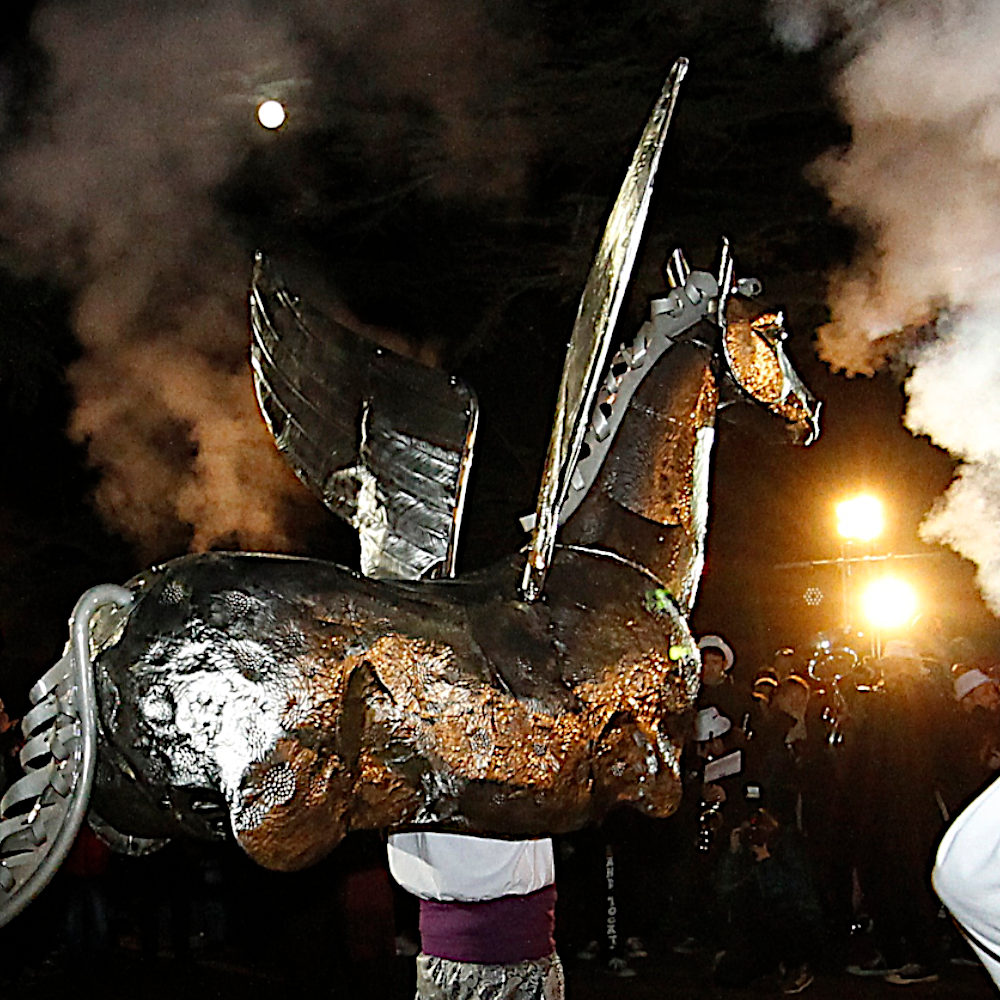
693 297
654 464
677 269
384 441
124 843
293 700
296 700
443 979
41 813
593 331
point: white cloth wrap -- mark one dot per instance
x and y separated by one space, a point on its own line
967 875
457 868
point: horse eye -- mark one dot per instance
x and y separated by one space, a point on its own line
770 327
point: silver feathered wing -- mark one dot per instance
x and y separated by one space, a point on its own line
383 441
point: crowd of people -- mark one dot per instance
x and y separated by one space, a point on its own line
815 793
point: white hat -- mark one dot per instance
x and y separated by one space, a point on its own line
899 649
969 681
710 723
717 642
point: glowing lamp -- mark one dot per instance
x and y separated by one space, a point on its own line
860 518
889 602
271 114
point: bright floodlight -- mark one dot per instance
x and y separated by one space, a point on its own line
271 114
889 602
860 518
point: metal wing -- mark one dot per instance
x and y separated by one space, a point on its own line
593 331
383 441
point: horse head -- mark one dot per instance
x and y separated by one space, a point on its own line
642 491
755 361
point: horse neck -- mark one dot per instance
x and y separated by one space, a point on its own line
649 504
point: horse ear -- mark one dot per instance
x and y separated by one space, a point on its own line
751 346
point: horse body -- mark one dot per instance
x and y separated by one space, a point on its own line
291 701
308 701
304 701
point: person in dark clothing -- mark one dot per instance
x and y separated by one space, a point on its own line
971 760
778 751
710 769
972 756
714 760
793 764
773 917
897 821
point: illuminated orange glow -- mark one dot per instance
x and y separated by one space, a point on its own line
889 602
860 518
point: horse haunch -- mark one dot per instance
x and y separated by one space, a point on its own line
309 701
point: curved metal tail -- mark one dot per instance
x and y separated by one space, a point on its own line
41 813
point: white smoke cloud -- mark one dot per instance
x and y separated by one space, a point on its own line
952 387
919 86
802 26
114 186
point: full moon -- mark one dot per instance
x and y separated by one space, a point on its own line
271 114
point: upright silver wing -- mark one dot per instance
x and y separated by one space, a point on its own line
593 330
383 441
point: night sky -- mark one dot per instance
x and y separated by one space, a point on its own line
443 179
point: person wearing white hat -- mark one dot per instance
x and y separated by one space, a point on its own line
718 711
716 659
975 689
966 873
711 757
717 735
972 752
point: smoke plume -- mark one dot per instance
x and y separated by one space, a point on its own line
919 86
114 186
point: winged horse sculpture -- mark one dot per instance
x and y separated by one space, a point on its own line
288 701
